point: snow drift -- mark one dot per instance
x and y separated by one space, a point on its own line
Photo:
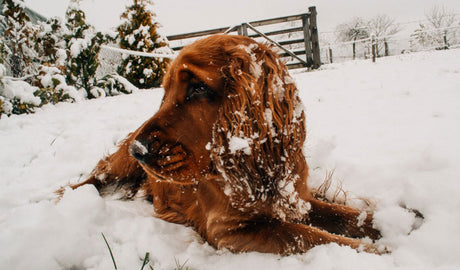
389 130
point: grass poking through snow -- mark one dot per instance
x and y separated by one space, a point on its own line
146 260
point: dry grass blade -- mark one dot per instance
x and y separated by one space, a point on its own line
181 266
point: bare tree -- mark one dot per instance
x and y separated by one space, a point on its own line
382 27
352 31
439 31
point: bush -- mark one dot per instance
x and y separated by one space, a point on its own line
17 97
53 87
114 84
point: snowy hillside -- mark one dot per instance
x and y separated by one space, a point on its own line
390 130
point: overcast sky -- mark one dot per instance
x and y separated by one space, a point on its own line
180 16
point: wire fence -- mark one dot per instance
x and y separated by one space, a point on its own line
110 58
405 42
331 52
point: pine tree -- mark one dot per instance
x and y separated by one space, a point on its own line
51 49
139 32
83 45
3 54
50 78
19 37
3 105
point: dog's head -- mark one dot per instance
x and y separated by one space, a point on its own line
231 109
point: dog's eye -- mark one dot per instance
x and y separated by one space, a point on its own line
198 90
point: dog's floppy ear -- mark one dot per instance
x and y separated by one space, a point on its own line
258 138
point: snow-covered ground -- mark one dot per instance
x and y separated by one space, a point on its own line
390 130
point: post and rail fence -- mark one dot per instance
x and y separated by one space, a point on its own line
298 42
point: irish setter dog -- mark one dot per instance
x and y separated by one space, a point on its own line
223 154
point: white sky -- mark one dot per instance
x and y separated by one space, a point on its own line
180 16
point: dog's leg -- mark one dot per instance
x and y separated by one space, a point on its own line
117 173
279 237
340 219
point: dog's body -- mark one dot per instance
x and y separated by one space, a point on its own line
224 154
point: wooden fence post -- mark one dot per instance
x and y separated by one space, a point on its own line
307 40
314 38
385 45
330 55
309 30
243 30
374 51
446 45
240 30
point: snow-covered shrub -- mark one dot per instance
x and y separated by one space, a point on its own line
4 50
139 31
114 84
437 32
54 88
20 37
4 107
49 86
51 48
17 97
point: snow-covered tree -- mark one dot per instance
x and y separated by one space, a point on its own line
50 78
19 37
438 31
352 31
51 49
83 45
382 27
3 54
139 32
3 106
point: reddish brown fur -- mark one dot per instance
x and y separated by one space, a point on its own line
242 199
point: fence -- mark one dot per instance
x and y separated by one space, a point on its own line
296 37
110 57
406 42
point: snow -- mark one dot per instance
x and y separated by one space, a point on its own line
81 44
140 148
21 90
97 92
389 130
239 144
255 67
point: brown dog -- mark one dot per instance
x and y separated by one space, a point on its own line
224 154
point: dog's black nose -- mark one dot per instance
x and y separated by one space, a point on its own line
139 150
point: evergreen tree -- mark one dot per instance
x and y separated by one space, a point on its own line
83 45
50 78
19 37
3 54
51 49
139 32
3 104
